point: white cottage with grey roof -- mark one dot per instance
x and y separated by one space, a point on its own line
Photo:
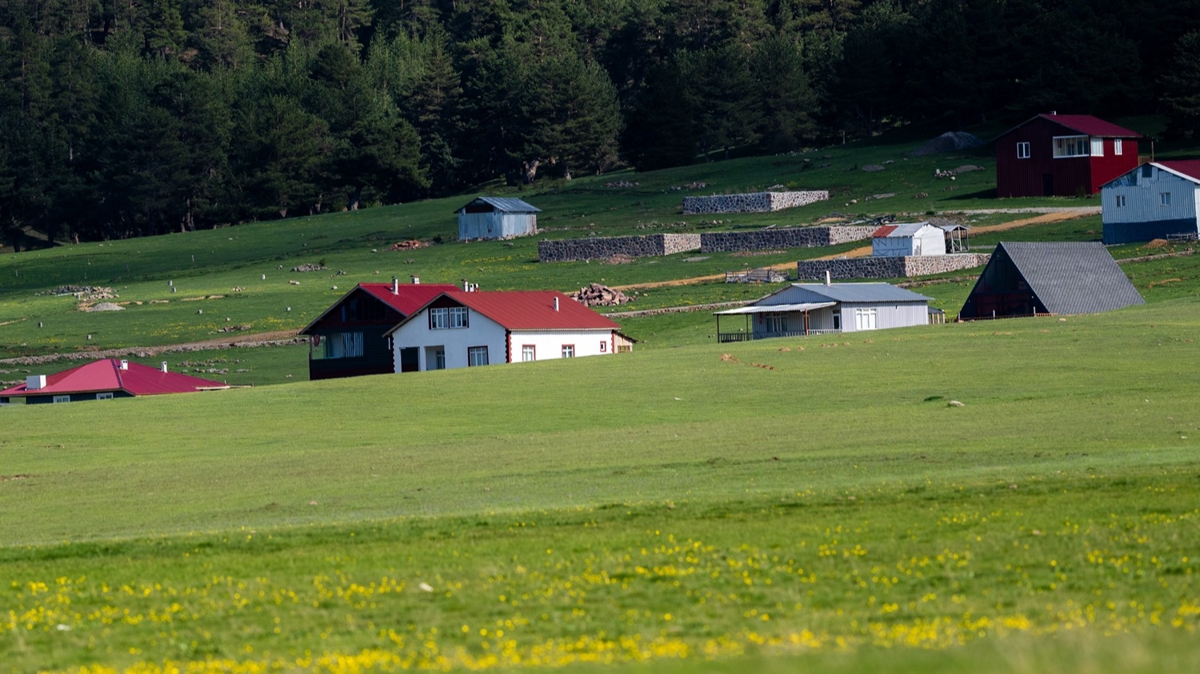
813 308
496 218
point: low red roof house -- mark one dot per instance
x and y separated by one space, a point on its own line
470 328
1062 155
347 340
104 380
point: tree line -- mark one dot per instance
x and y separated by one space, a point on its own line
123 119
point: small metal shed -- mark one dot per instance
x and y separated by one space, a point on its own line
903 240
496 218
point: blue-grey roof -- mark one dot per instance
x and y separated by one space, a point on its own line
506 205
862 292
1070 277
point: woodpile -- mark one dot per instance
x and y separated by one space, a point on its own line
597 295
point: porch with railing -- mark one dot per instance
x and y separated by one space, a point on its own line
740 336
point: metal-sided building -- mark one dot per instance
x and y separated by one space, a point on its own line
1062 155
496 218
1026 279
813 309
918 238
1156 200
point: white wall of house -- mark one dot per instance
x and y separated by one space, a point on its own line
481 331
495 225
548 344
928 240
872 316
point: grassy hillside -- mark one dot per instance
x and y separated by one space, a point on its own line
805 502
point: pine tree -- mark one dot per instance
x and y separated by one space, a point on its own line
1180 86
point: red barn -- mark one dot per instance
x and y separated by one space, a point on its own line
1062 155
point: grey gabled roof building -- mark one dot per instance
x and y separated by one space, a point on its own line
1022 279
496 218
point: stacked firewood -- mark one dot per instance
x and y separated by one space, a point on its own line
597 295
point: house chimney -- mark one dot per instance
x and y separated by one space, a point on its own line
416 280
556 304
1053 112
395 286
466 286
124 365
35 381
164 366
828 280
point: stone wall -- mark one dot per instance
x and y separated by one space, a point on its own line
756 202
790 237
887 267
598 248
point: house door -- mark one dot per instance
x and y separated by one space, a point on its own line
1048 184
409 359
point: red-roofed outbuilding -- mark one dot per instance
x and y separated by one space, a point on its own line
1062 155
468 328
347 340
104 380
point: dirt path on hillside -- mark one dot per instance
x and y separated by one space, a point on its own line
865 251
276 338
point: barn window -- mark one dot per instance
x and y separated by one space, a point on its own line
1023 150
528 353
1097 147
1070 146
476 356
1164 198
1117 146
1120 201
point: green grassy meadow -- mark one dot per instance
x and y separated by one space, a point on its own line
1004 496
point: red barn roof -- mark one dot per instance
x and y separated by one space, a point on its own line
528 310
409 297
1085 124
106 375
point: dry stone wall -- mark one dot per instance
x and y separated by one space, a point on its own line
887 267
791 237
755 202
596 248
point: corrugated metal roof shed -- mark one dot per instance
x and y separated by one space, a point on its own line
774 308
107 375
902 230
1070 277
862 292
504 205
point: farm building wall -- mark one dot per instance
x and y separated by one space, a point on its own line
495 225
1040 174
928 241
887 267
548 344
1143 216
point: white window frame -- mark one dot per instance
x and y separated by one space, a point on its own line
106 395
439 319
458 317
528 353
1067 147
866 318
1120 201
1164 198
1097 147
568 350
477 356
1117 147
775 323
1023 150
62 399
604 346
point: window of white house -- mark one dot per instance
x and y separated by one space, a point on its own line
1117 146
62 399
1023 150
458 317
528 353
568 351
1097 147
776 323
107 395
1164 198
603 346
1120 201
337 345
1070 146
477 355
864 319
439 319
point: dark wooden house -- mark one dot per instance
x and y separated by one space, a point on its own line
1062 155
347 340
1026 279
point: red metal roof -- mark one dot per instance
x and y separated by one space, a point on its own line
530 310
1092 126
408 298
1188 167
107 375
882 232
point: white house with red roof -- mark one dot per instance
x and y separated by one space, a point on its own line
1062 155
461 328
1157 200
347 339
104 380
908 239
